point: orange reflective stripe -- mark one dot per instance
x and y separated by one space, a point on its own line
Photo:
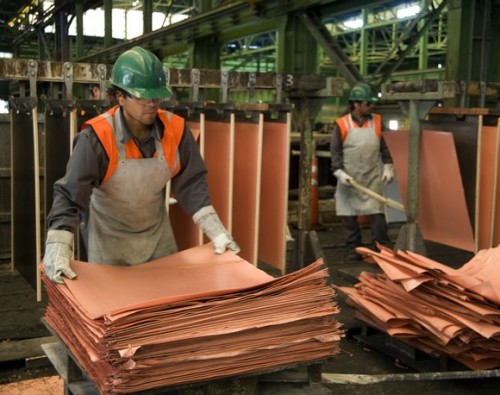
343 124
378 125
104 131
173 127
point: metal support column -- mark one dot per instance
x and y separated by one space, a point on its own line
147 16
306 247
410 237
79 28
416 100
108 23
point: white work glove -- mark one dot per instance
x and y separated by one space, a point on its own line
343 177
58 254
387 173
208 221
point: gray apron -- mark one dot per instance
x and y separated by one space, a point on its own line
362 162
128 222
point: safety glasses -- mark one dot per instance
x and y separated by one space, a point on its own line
145 102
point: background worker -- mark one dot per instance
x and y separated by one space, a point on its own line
117 174
357 150
95 92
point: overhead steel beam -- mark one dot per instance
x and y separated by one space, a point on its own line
230 21
383 73
341 7
208 23
331 47
41 24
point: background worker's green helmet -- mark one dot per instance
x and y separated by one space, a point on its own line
361 92
140 73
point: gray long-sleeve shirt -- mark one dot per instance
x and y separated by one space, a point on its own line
89 162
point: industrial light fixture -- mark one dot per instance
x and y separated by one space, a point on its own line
408 11
393 124
354 23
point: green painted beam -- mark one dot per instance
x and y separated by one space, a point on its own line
342 7
363 55
248 29
459 50
108 23
250 52
423 42
79 28
147 15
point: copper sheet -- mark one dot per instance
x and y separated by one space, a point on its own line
242 195
246 193
219 146
274 194
465 135
442 210
485 195
456 312
191 317
192 273
495 228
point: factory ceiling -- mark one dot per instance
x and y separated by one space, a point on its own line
23 24
247 30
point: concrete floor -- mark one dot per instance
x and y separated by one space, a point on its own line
21 321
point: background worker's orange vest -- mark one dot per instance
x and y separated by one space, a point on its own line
344 123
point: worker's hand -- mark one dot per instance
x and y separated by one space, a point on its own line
225 242
58 254
387 173
343 177
208 221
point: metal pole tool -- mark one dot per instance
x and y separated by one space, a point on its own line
388 202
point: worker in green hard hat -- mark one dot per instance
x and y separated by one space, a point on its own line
117 174
359 153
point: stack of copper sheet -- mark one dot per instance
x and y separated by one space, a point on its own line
191 317
435 308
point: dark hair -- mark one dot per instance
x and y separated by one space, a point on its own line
113 90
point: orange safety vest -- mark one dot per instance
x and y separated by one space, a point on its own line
173 128
345 127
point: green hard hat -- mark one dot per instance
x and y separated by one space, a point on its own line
361 92
140 73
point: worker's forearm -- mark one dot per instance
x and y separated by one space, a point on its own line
86 167
384 152
189 186
336 150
